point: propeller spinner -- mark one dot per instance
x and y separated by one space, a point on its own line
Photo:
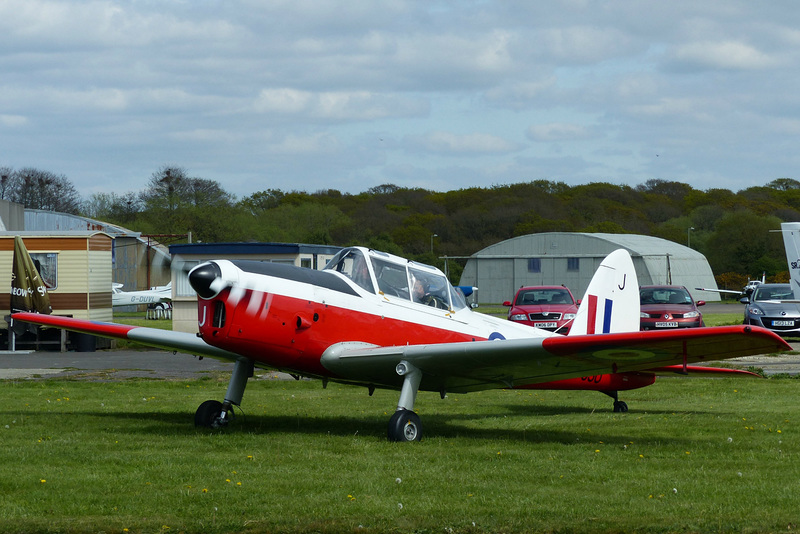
206 280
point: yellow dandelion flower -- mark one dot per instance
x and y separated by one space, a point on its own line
238 483
205 490
42 481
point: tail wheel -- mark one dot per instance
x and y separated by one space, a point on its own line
405 425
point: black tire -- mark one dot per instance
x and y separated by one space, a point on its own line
207 413
620 407
405 425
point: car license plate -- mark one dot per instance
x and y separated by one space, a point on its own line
665 324
782 323
545 325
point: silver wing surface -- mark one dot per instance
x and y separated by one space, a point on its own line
473 366
479 365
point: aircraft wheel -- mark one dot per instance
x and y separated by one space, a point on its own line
405 425
208 413
620 407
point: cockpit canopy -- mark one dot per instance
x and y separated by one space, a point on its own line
385 274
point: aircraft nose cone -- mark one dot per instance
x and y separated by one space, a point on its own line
202 278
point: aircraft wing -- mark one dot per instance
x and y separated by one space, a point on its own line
479 365
472 366
153 337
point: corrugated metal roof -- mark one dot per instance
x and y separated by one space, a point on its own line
576 243
58 233
42 221
251 248
48 221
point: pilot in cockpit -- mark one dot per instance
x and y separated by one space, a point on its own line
420 293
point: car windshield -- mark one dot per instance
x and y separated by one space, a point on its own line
665 295
780 292
543 297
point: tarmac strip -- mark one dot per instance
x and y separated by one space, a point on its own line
123 364
116 365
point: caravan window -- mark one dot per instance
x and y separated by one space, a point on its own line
47 265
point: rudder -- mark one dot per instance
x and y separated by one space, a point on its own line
611 302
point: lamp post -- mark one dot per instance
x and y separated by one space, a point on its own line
432 236
689 236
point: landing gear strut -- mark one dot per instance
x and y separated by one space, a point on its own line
619 406
405 425
215 414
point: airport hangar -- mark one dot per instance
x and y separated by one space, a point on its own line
571 259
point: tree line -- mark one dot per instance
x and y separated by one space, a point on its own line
734 230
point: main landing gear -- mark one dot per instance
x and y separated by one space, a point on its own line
405 425
215 414
619 406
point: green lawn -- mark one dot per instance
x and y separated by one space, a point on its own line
692 455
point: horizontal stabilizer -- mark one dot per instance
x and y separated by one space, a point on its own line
702 371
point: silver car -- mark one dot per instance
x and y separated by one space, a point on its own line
766 307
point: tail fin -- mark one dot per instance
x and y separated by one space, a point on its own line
611 302
791 241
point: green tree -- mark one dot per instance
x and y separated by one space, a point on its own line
42 190
175 203
757 249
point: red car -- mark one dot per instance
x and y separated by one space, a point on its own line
547 307
665 307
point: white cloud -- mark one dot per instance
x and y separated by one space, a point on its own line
295 88
13 121
583 44
723 55
470 144
557 132
316 144
337 105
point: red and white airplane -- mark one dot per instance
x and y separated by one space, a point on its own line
381 321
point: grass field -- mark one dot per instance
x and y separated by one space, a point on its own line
692 455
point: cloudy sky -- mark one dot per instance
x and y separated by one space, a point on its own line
318 94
